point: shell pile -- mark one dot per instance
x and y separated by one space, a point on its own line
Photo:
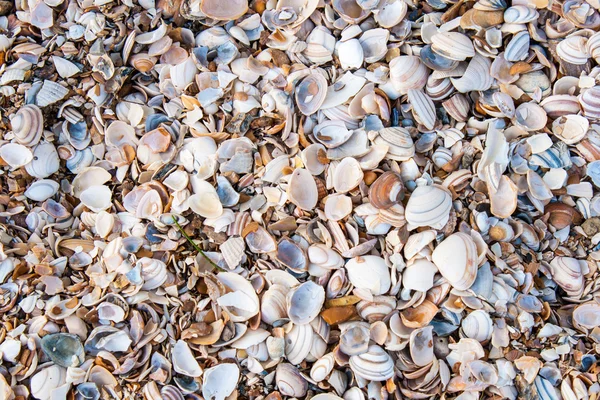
326 199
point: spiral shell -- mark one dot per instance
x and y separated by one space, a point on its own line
28 125
456 258
429 206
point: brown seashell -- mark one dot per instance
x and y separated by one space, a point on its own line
387 190
478 19
420 316
561 215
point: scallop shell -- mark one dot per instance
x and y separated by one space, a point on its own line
456 258
568 273
423 108
369 272
518 47
374 365
399 141
476 77
573 50
452 45
407 72
310 93
27 125
429 206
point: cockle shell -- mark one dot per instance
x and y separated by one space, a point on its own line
369 272
27 125
408 72
374 365
568 273
452 45
456 258
305 302
429 206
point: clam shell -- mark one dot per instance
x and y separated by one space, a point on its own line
354 338
531 116
224 11
273 304
302 189
16 155
456 258
184 361
421 346
50 93
374 365
332 133
423 108
205 200
220 381
518 47
369 272
350 53
374 44
298 342
27 125
241 303
399 142
573 50
310 93
561 104
305 302
567 272
429 206
347 175
590 102
476 77
587 315
520 14
452 45
458 107
419 275
387 190
477 325
570 128
42 190
337 207
322 367
289 381
436 61
407 72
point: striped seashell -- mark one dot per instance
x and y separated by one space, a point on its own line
423 108
568 273
518 47
50 93
438 89
27 125
458 107
374 365
590 102
490 5
560 104
573 50
476 77
520 15
436 61
401 147
408 72
593 46
452 45
581 14
456 258
428 206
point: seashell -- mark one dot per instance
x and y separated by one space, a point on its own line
27 125
289 381
305 302
399 142
439 89
590 102
477 325
46 380
421 346
63 349
559 105
220 381
429 206
374 365
458 107
391 13
350 53
273 304
322 367
531 117
347 175
419 275
42 16
205 200
407 72
16 155
423 108
97 198
50 93
519 14
153 272
518 47
478 19
143 62
42 190
337 207
436 61
370 273
568 272
310 93
332 133
241 302
456 258
184 361
387 190
302 189
573 50
476 77
291 255
298 342
587 315
342 90
374 44
580 14
570 128
452 45
324 257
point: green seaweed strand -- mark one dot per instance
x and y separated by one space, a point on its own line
195 246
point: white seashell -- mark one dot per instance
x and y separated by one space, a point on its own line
324 257
332 133
42 16
419 275
537 186
305 302
423 108
302 189
104 223
456 259
46 380
322 367
50 93
374 44
369 272
184 361
183 73
587 315
350 53
343 89
519 14
476 77
337 207
16 155
570 128
273 304
241 303
429 206
590 102
477 325
347 175
573 50
298 342
310 93
408 72
97 198
205 200
417 242
42 190
289 381
531 117
153 272
568 273
152 36
421 346
374 365
65 68
312 157
452 45
399 142
391 13
220 381
27 125
518 47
